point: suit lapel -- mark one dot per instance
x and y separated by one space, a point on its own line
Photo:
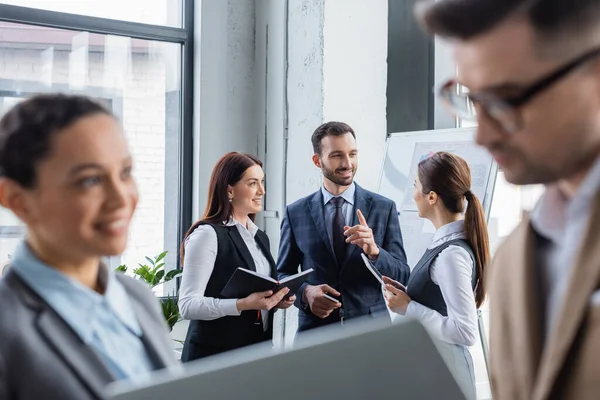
585 275
160 353
241 247
362 202
84 362
315 206
526 320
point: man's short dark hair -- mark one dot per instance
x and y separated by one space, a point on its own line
464 19
332 128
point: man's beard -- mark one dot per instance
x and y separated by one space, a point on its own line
338 180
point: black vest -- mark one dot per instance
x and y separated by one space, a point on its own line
226 333
422 289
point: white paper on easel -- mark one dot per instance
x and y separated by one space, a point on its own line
478 159
415 239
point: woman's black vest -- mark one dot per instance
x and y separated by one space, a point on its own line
422 289
229 332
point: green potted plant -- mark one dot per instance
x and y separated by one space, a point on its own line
153 273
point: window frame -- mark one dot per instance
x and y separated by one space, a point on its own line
183 36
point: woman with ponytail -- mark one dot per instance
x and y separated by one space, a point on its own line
448 284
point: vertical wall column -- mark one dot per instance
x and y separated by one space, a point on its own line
305 93
445 68
226 110
337 71
355 77
270 78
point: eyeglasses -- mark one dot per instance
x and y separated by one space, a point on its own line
503 110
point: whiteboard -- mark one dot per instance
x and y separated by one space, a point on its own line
404 151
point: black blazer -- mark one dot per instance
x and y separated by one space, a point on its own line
205 338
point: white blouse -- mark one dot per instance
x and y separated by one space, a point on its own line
452 271
199 261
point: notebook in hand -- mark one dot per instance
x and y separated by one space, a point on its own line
244 282
372 268
376 273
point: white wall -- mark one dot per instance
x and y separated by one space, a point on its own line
226 110
305 93
444 69
338 71
270 73
355 77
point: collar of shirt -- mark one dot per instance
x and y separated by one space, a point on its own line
252 228
77 304
553 210
451 231
347 195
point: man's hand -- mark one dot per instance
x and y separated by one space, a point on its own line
321 306
362 236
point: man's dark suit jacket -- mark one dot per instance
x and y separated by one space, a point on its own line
305 242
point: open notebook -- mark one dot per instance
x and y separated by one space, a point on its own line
244 282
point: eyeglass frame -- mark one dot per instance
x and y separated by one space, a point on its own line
515 102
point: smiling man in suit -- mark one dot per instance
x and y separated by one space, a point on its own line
529 74
328 231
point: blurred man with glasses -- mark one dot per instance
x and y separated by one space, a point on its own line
529 74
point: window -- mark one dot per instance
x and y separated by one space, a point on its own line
156 12
142 80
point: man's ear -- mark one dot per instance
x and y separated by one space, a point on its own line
316 160
13 197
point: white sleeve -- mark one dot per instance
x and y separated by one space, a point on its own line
199 261
452 271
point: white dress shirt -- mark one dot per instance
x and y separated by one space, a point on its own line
452 271
562 223
329 208
106 322
199 261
